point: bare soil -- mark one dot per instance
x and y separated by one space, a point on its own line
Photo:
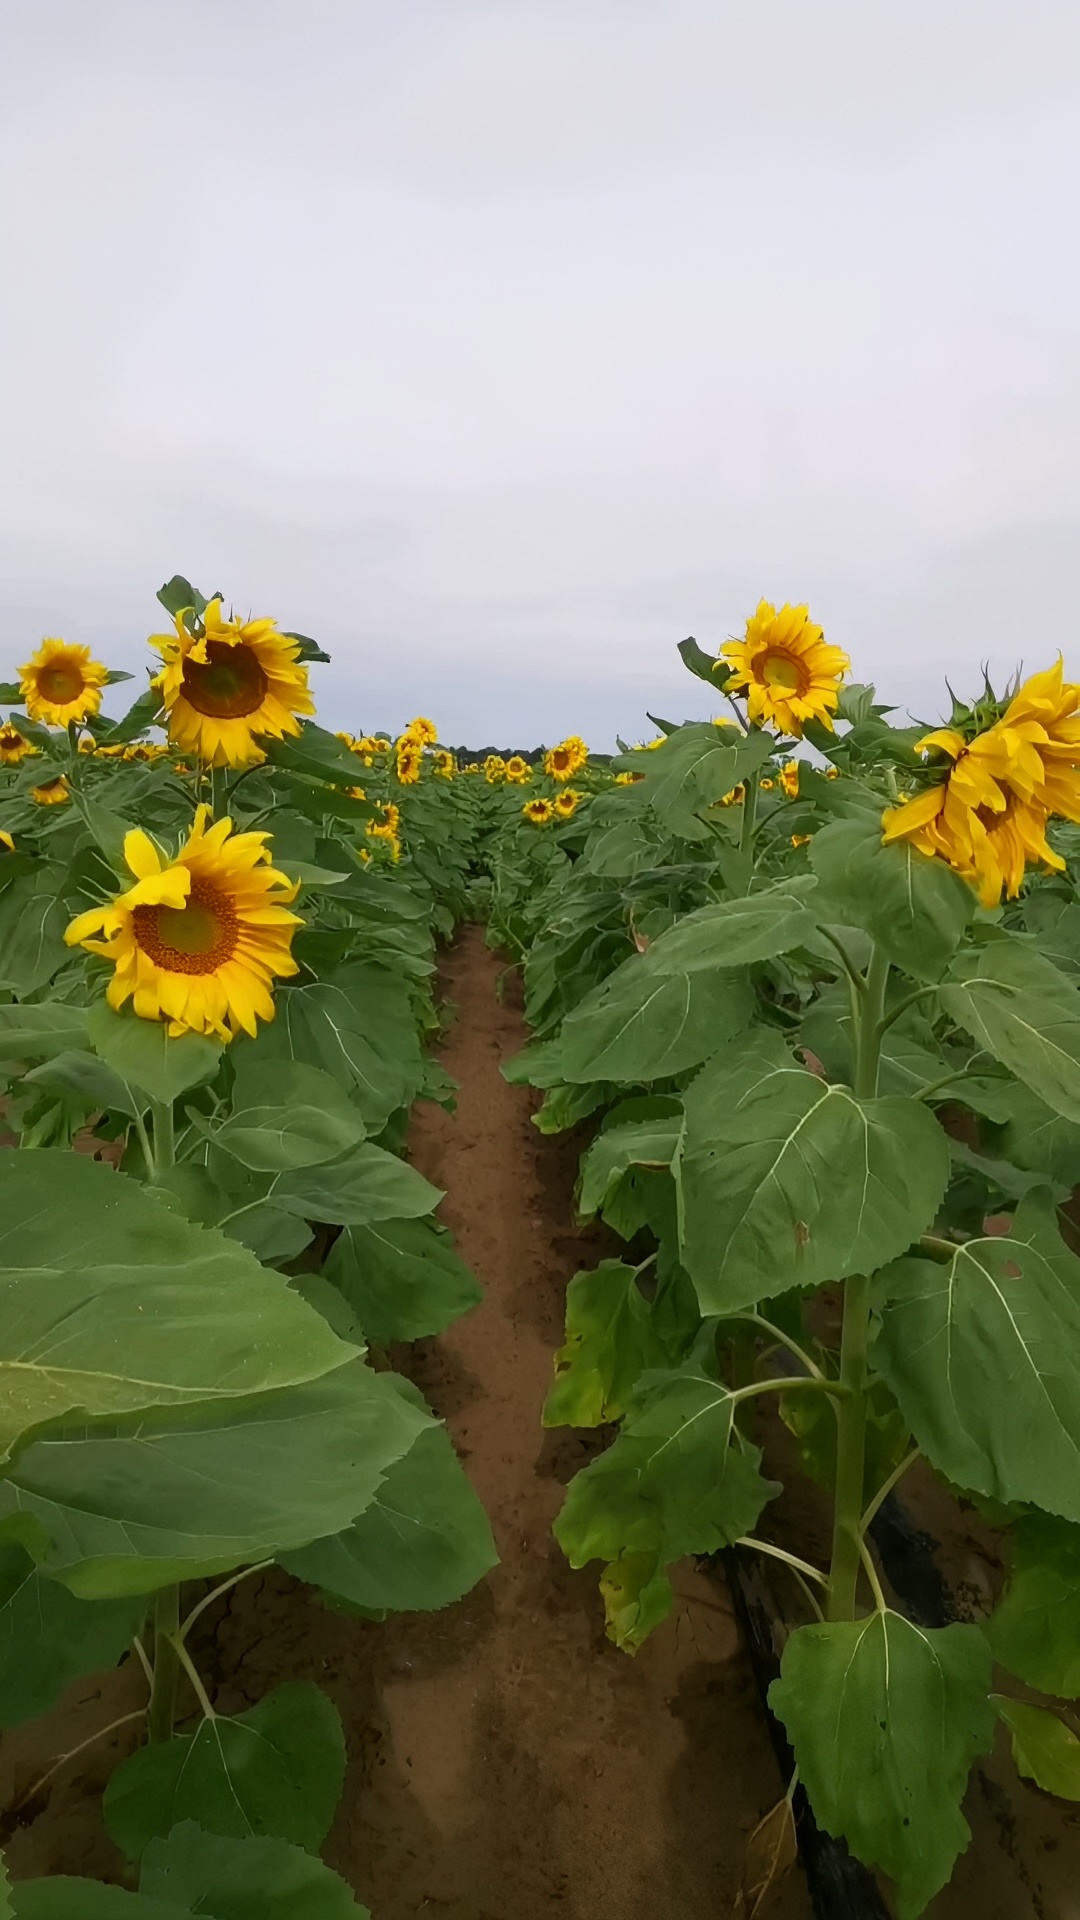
505 1761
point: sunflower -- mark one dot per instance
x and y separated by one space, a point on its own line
789 779
627 779
229 686
199 938
61 684
425 732
13 747
568 758
52 793
494 769
518 770
568 802
539 812
407 759
785 668
6 841
987 817
386 827
445 764
800 839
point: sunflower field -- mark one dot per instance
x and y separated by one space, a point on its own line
804 979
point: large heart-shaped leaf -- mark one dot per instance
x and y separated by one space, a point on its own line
610 1341
401 1278
787 1181
126 1513
641 1024
696 766
141 1053
1016 1004
255 1878
866 1704
983 1354
916 908
277 1769
33 919
364 1037
112 1304
32 1032
735 933
365 1185
48 1637
423 1541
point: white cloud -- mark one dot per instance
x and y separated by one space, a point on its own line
503 345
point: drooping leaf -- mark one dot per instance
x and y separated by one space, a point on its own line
253 1878
642 1025
983 1354
33 919
637 1596
113 1305
32 1032
364 1037
785 1180
277 1769
1035 1628
365 1185
610 1341
697 765
423 1541
675 1481
128 1513
916 908
1044 1748
141 1053
402 1278
1017 1005
649 1143
865 1704
48 1637
735 933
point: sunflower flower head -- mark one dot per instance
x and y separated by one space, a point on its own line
494 769
787 672
445 764
539 812
408 757
789 779
52 793
61 684
567 803
229 687
567 759
518 770
423 731
13 746
198 940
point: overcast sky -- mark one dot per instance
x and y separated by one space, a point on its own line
501 343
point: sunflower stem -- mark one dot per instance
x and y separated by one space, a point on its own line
851 1411
164 1135
162 1714
746 836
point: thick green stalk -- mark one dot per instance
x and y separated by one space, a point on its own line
746 834
166 1665
164 1135
851 1409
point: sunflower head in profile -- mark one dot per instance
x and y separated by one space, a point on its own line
567 803
61 684
445 764
568 758
423 731
13 746
786 670
518 770
539 813
199 938
230 686
789 779
52 793
494 769
408 759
